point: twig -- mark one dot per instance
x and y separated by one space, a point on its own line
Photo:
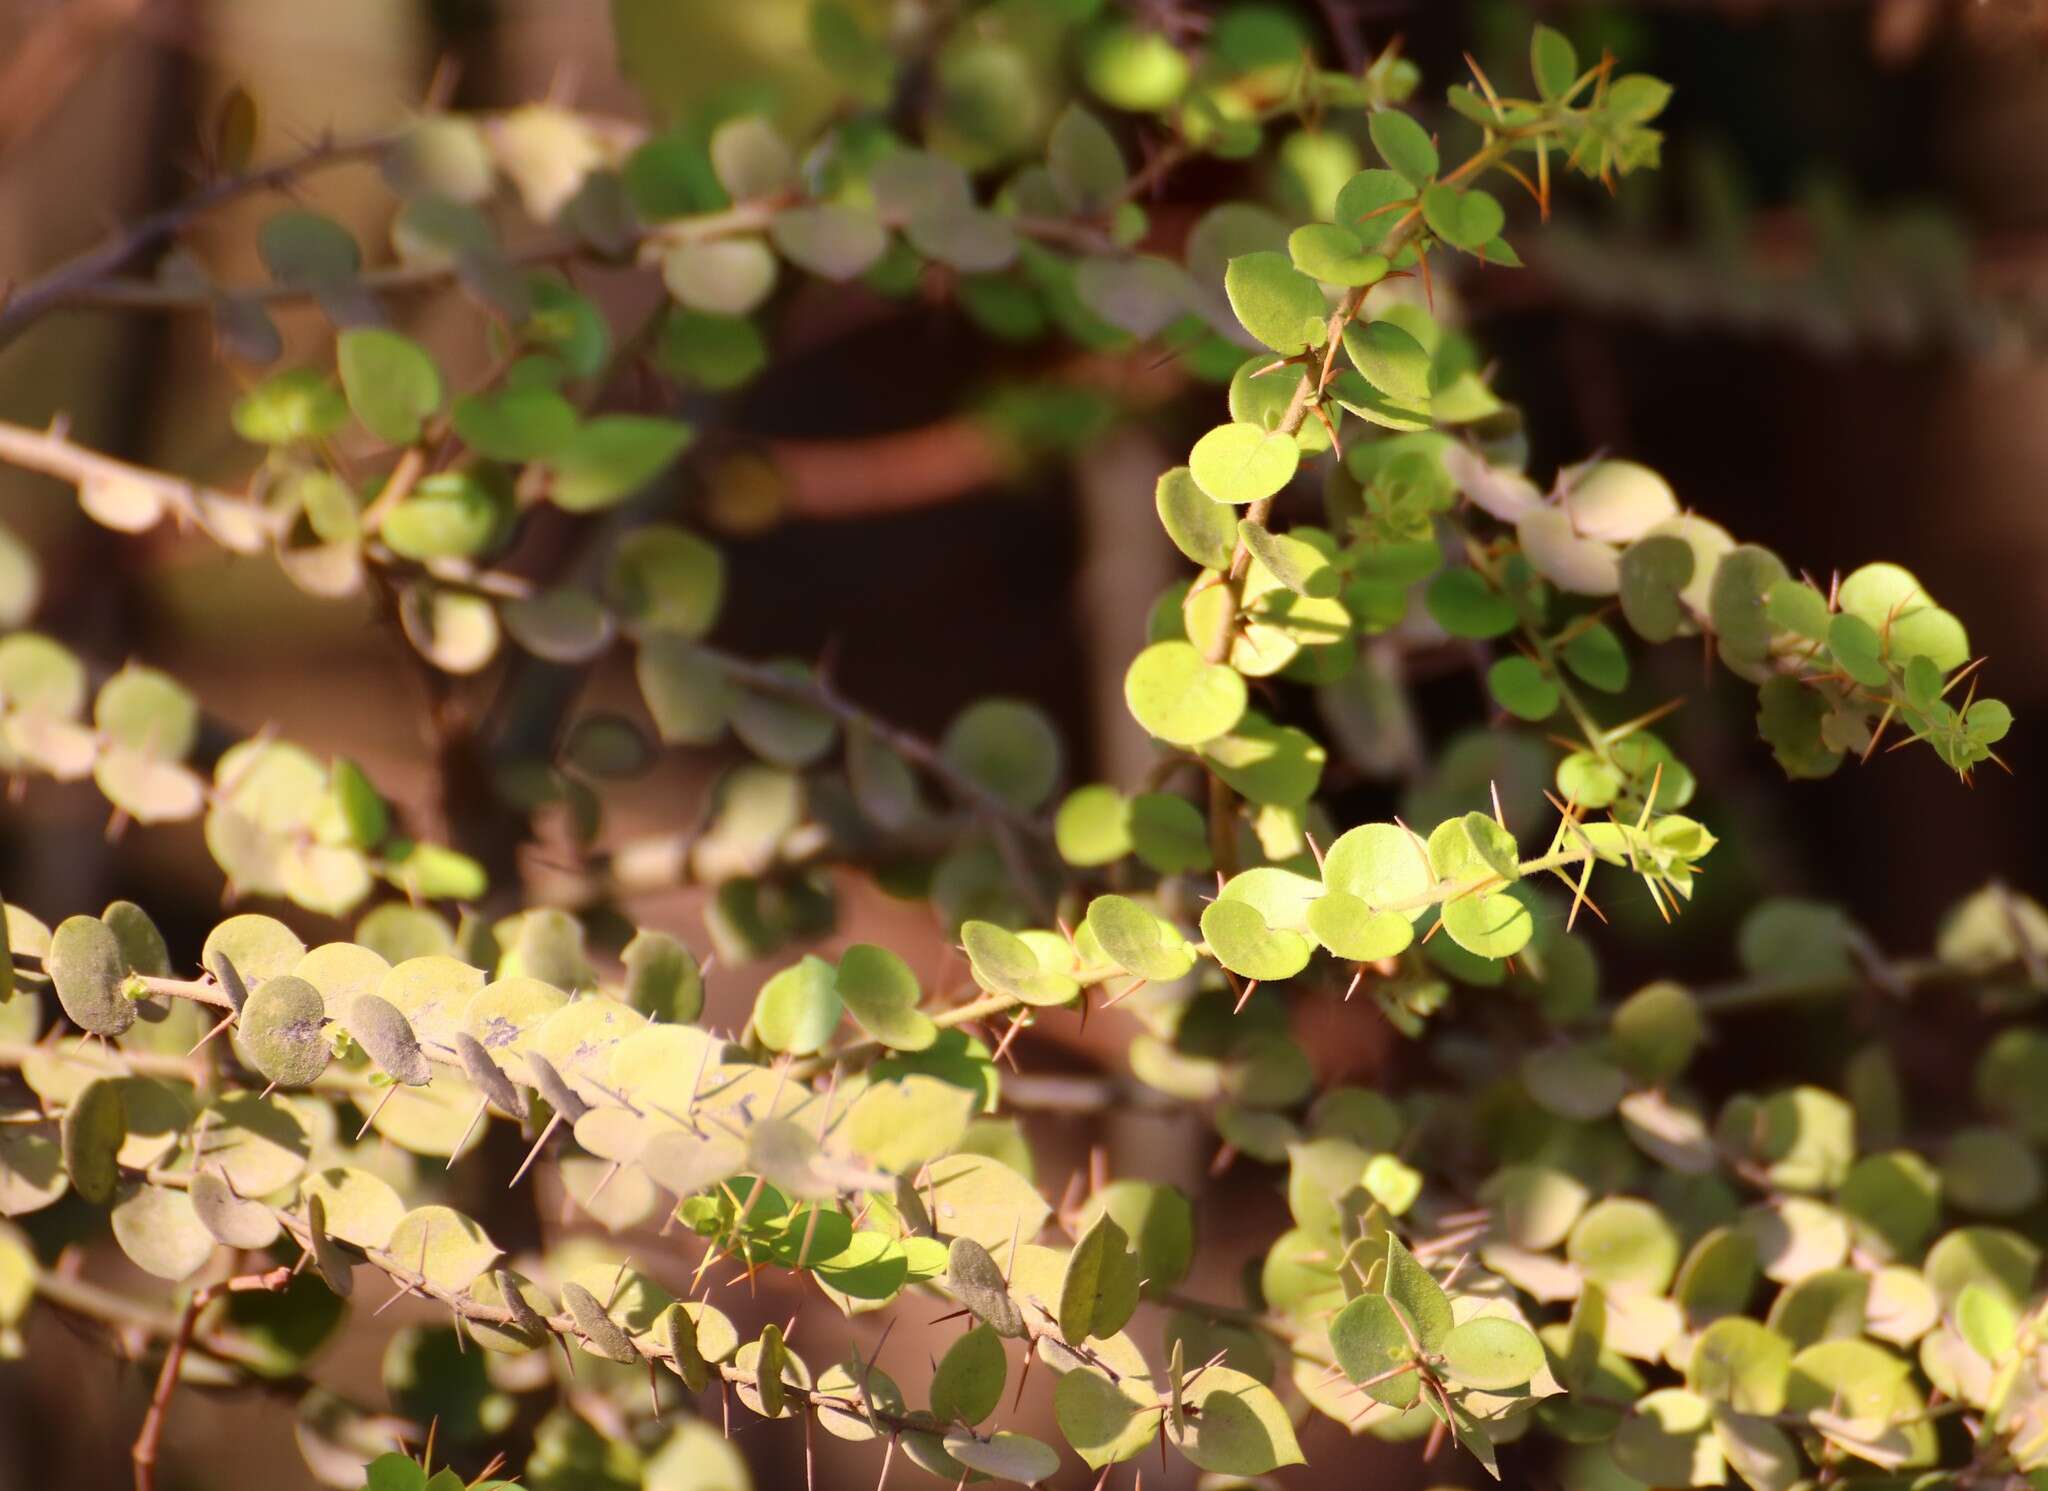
147 1441
72 279
53 452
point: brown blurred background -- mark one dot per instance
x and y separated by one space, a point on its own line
1823 320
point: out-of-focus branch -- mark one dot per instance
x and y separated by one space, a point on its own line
54 453
76 277
151 1435
53 58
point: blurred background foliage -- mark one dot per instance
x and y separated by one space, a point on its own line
1823 321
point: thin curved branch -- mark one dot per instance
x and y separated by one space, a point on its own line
75 277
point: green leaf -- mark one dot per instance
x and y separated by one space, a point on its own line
903 1123
1137 941
1182 698
1099 1292
89 973
1622 1243
94 1128
1390 359
798 1009
2000 1260
1405 146
281 1030
161 1233
1005 1455
667 579
1086 165
716 353
1372 202
1521 687
831 240
1858 649
1352 930
1277 303
1656 1030
289 408
1299 566
751 158
1243 941
391 382
1553 62
307 249
976 1281
882 995
1277 765
1412 1287
446 1248
1795 606
1990 1171
567 324
1463 604
968 1383
147 712
450 515
611 457
515 425
1093 825
1007 746
1668 1440
1492 1354
1104 1421
1596 656
394 1472
1741 1363
388 1037
1005 964
1335 255
1370 1337
1637 98
1469 219
1202 528
782 730
1237 1428
720 276
1240 463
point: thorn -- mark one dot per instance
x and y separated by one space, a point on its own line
1116 999
1003 1046
1357 975
1485 86
534 1153
1964 672
226 1021
389 1094
598 1189
1250 985
1642 721
476 1118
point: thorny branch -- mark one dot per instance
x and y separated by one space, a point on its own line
147 1441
